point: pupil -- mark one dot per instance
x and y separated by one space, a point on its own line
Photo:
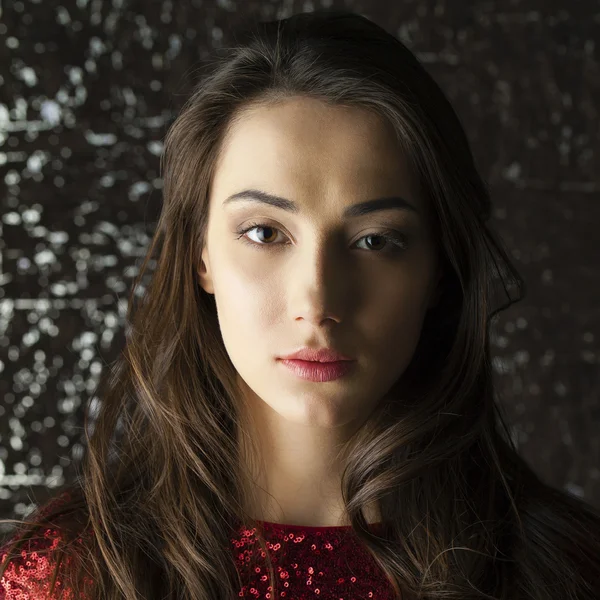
370 237
263 229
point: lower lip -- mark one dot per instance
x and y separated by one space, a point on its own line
319 371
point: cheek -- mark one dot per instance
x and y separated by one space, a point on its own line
247 305
393 318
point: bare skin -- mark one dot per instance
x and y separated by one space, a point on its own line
315 277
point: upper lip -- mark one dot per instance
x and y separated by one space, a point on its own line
317 355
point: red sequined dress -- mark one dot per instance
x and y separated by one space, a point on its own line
326 563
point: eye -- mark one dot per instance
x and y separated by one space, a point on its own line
262 226
396 239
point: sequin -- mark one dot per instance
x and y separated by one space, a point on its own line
311 562
29 576
327 563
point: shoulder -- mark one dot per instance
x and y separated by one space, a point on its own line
36 568
29 570
33 559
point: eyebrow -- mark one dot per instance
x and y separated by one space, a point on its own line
356 210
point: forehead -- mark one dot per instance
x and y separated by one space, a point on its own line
308 143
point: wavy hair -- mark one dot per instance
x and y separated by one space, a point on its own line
161 489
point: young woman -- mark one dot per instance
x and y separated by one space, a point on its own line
319 194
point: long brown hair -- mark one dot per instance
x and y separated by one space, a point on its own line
161 490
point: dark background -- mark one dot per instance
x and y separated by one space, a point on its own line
87 91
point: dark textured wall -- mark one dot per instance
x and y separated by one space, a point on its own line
87 91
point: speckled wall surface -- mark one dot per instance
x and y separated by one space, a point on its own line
87 90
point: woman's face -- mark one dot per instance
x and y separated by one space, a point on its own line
314 275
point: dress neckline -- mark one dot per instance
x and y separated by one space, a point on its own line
313 528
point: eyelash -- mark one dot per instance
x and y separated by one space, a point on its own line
389 235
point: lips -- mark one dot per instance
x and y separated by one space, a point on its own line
318 355
320 372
